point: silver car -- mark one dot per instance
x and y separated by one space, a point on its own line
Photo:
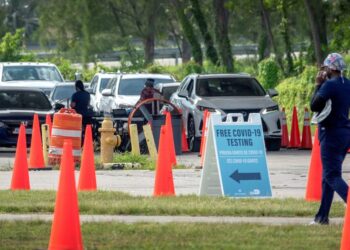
223 94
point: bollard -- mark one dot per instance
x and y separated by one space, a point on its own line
150 141
46 142
134 138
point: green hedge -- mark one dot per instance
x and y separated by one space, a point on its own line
297 91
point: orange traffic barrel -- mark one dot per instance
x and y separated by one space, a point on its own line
67 124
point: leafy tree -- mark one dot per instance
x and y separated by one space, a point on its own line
11 46
221 30
317 18
283 6
188 31
203 27
267 25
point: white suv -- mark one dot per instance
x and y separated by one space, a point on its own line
124 90
98 83
223 94
43 76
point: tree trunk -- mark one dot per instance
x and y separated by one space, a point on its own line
189 32
221 28
270 35
286 38
316 29
263 43
149 39
203 27
149 49
186 51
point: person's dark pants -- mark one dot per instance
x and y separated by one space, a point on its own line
334 146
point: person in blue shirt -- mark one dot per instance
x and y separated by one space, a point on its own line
80 101
333 130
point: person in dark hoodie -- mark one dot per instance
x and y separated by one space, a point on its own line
333 89
80 101
149 92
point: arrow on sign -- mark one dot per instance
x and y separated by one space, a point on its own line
237 176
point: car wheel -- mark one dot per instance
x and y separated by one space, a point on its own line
273 144
193 141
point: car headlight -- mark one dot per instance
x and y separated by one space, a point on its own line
270 109
202 108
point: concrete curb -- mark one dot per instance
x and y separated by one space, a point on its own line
130 219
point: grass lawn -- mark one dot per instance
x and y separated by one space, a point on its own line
36 235
107 202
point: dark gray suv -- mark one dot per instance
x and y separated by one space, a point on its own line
223 94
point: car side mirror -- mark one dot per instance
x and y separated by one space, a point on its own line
272 92
57 106
107 92
183 93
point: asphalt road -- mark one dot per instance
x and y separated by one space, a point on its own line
287 168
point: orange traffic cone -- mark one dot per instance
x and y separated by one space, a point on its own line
345 241
48 122
36 157
204 139
294 134
205 117
285 138
20 175
306 141
164 182
169 128
87 177
314 180
65 230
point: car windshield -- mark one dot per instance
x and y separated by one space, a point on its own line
134 86
167 91
238 86
103 84
62 92
31 73
25 100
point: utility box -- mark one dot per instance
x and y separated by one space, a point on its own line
176 121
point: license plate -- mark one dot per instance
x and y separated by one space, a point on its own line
28 131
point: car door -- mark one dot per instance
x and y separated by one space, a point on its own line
93 99
184 100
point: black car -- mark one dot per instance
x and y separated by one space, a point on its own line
19 106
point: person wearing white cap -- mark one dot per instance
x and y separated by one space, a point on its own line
333 89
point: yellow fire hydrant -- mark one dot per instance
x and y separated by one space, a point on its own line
108 140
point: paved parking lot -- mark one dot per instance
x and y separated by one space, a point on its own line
288 172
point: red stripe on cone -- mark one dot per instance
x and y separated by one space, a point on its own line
345 241
87 177
20 175
65 230
294 134
36 157
164 182
314 180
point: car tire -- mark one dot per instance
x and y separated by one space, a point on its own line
193 141
273 144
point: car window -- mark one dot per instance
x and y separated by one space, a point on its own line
189 87
183 83
134 86
63 92
103 83
112 84
167 91
229 87
30 73
27 100
93 84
